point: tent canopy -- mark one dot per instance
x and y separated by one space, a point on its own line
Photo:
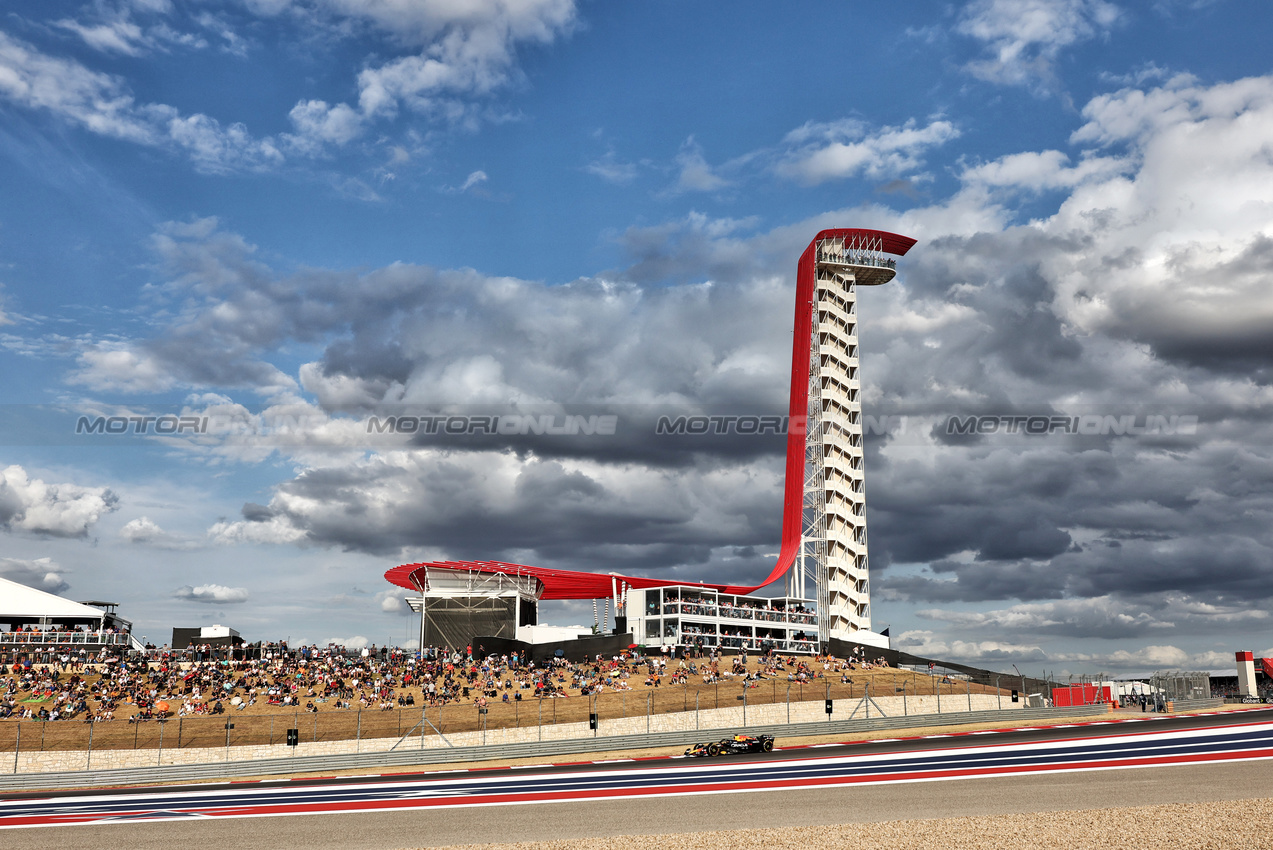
22 604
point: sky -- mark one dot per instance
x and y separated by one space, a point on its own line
271 226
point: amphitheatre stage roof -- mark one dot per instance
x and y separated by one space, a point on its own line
558 584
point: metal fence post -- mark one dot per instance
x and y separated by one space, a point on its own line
17 747
968 692
159 759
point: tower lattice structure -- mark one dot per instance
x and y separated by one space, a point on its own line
832 549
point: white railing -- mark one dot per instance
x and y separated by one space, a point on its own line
766 615
856 258
102 638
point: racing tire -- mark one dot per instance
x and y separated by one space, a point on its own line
713 749
766 746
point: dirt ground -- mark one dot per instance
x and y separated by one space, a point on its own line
1198 826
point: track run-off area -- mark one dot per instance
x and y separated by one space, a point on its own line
1155 741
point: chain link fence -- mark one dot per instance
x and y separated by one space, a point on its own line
1180 685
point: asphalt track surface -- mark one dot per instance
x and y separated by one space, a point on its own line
1177 759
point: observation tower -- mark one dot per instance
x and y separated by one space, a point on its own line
824 516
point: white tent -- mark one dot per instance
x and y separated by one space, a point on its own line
20 605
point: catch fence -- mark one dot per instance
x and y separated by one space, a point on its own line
270 725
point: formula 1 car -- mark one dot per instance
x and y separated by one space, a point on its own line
731 746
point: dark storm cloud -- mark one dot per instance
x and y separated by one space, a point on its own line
493 506
408 333
1234 335
253 512
999 504
995 522
978 581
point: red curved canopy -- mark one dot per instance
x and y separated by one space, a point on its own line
558 584
569 584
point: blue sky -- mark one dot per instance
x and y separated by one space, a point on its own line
334 209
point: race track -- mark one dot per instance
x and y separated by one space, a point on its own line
1181 759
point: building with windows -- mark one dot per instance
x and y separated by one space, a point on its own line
823 556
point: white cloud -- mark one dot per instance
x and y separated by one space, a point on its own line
94 100
141 530
116 30
1191 225
317 124
41 573
393 601
473 179
1149 658
118 36
988 652
467 50
1043 170
273 531
145 531
103 105
212 594
117 366
612 169
357 642
1097 616
221 149
695 174
820 152
61 510
1023 38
